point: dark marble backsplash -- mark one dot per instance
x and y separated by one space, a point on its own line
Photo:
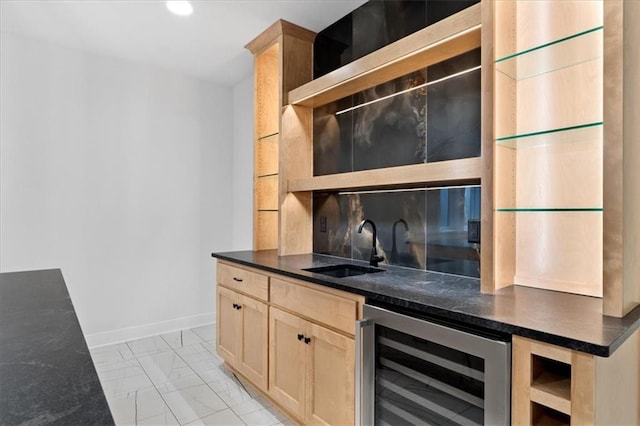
421 229
374 25
431 123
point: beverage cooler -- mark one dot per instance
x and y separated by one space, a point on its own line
414 371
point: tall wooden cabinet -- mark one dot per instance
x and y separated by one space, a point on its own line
282 61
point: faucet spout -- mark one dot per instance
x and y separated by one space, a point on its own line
374 258
394 250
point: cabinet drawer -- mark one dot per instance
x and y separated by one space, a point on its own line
244 281
332 310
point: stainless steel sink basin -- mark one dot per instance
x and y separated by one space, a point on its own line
343 270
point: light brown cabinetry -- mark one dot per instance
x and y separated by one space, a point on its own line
228 324
242 324
312 352
555 385
293 340
330 397
287 355
311 370
335 311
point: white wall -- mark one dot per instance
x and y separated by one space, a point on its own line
243 165
120 175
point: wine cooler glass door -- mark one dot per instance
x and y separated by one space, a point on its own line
426 373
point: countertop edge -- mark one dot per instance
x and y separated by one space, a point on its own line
447 314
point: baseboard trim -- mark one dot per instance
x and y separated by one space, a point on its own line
141 331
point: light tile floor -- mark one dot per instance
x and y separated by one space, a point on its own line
177 379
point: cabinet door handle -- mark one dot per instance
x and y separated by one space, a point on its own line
300 336
307 340
237 279
235 306
239 307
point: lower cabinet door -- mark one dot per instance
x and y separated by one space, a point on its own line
287 361
330 378
228 324
252 355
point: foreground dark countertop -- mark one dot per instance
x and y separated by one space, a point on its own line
46 372
568 320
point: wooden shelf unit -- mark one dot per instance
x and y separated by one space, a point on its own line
282 61
548 152
448 38
579 196
452 172
555 385
565 199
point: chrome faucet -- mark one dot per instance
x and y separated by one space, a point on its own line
394 250
374 258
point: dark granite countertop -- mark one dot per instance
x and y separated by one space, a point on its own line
46 372
562 319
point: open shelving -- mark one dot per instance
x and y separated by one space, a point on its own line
570 134
450 37
450 172
548 153
533 60
555 385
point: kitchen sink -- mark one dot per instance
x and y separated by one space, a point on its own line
343 270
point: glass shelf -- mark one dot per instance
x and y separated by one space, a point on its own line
267 136
572 134
572 50
550 209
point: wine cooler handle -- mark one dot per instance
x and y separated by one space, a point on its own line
363 403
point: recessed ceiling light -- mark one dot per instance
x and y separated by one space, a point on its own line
182 7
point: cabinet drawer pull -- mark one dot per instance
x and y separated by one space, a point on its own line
237 279
307 340
300 336
239 307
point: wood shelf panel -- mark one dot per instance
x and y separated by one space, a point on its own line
450 37
552 391
467 170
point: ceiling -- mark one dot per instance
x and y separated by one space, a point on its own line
209 44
